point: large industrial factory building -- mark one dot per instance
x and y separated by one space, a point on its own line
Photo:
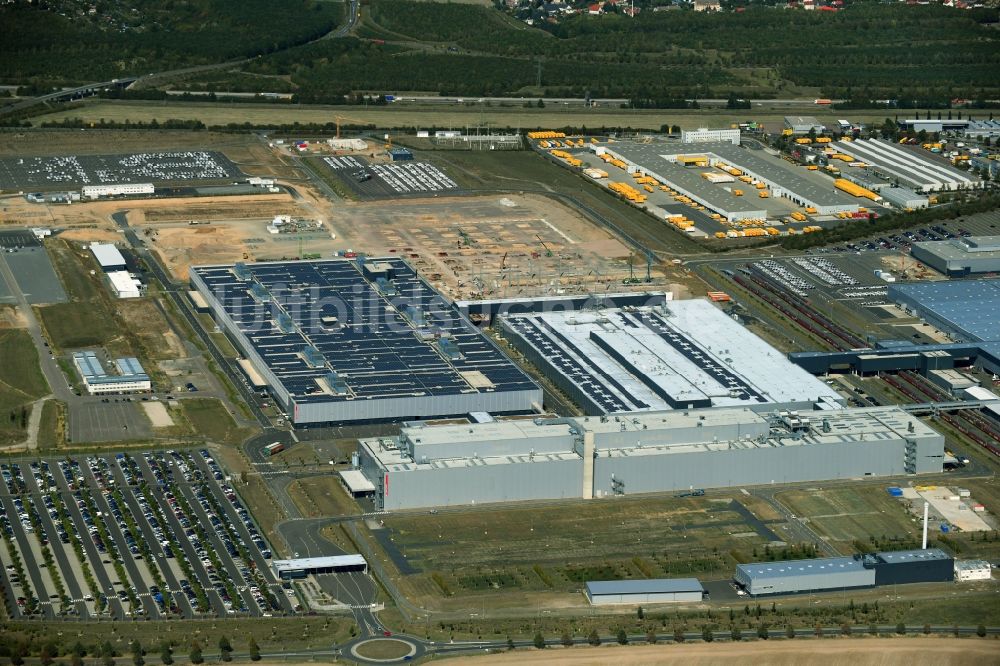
645 452
342 341
677 355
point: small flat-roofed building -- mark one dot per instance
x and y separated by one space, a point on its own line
108 256
656 591
356 483
966 570
958 257
904 198
308 566
797 576
124 285
804 124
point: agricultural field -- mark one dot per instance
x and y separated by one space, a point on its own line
21 383
412 117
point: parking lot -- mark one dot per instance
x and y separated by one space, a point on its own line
26 173
98 422
35 276
151 536
375 180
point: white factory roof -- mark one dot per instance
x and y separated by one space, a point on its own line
721 342
670 433
307 563
920 170
122 281
492 430
107 254
356 481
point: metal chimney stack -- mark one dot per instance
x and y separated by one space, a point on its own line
926 506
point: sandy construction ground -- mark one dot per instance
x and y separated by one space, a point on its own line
157 414
832 652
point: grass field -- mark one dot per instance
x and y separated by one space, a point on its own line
77 325
210 419
271 634
423 117
856 512
52 427
321 496
21 383
556 549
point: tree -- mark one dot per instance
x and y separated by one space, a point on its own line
45 655
195 654
706 634
651 637
225 649
510 643
541 103
107 654
566 639
763 632
789 631
927 628
735 634
901 628
254 650
845 629
639 613
136 649
621 636
678 634
539 640
75 659
981 631
593 638
166 653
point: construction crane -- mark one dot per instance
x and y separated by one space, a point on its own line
548 252
339 119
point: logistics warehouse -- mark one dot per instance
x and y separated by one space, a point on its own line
667 163
345 341
644 452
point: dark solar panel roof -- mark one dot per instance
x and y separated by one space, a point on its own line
381 343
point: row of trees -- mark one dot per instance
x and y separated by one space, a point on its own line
106 654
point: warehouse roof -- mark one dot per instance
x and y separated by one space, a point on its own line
974 247
801 568
107 254
921 169
329 562
654 586
687 353
383 338
916 555
970 307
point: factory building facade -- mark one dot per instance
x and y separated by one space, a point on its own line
959 257
930 565
614 455
656 591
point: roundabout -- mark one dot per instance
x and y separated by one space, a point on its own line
383 650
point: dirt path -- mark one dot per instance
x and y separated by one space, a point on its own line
838 652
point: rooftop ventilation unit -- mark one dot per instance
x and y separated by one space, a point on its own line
284 323
313 357
260 293
242 272
336 383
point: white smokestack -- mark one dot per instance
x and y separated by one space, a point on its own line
926 506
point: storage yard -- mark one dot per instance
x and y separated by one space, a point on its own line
379 180
29 173
88 537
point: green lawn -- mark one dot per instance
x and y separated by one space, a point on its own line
845 514
21 382
51 429
77 324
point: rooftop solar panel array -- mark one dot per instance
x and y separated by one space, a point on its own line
380 344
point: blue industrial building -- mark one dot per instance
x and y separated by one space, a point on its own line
360 341
930 565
